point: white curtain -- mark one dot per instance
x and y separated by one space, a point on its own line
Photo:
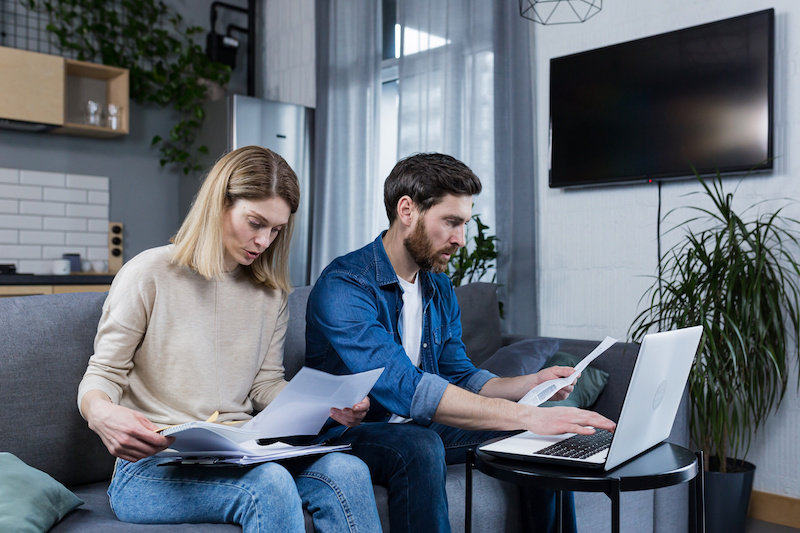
515 180
347 125
446 86
466 88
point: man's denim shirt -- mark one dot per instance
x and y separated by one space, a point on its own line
352 325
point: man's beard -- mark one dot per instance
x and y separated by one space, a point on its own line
420 248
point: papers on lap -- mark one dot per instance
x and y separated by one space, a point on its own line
305 403
248 453
301 408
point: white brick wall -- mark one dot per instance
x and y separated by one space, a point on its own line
46 214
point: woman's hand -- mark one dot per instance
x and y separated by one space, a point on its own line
351 417
126 433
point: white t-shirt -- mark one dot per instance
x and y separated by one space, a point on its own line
411 326
411 317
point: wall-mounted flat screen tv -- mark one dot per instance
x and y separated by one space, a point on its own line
656 108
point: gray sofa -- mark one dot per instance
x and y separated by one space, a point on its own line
45 342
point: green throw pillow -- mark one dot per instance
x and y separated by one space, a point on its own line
587 388
31 500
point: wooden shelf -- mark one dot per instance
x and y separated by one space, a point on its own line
105 85
46 89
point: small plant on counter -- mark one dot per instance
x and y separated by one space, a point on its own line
151 40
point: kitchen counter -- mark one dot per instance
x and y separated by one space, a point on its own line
71 279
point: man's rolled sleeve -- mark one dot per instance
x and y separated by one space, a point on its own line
476 382
427 396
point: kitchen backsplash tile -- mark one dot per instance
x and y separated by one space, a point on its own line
46 214
9 175
52 179
9 206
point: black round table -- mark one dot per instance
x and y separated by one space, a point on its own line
662 466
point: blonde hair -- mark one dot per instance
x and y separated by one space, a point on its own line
250 173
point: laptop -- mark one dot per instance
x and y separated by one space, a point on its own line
648 411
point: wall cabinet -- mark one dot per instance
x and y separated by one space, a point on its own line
44 89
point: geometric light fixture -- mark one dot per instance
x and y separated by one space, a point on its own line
559 11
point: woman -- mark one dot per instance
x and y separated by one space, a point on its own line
197 327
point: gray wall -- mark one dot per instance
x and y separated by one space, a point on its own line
144 196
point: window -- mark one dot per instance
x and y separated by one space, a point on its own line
448 94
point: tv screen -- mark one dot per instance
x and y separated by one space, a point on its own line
657 108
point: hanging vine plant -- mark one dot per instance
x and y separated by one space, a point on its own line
166 66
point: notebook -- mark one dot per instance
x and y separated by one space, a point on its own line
648 411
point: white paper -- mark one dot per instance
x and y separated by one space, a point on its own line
304 405
544 391
247 453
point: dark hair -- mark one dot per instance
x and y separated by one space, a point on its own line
427 179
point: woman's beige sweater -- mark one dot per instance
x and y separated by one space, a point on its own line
177 347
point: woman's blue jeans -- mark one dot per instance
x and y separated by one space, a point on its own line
335 489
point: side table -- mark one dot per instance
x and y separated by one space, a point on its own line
662 466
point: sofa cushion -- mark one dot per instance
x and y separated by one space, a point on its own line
45 345
480 320
521 358
587 388
30 500
294 351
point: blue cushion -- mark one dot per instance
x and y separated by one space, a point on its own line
521 358
30 500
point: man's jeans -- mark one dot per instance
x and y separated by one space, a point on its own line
335 488
538 505
410 460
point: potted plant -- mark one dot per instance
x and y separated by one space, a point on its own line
474 261
735 274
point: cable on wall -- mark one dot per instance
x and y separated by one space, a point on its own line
658 245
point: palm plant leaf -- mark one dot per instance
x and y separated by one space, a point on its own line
738 278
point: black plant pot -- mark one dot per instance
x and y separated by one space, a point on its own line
728 496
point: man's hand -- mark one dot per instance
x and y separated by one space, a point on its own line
126 433
463 409
515 388
555 372
557 420
351 417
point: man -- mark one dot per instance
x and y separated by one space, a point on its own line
390 305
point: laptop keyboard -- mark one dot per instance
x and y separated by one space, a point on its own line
579 446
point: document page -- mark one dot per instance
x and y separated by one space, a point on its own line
544 391
305 403
246 453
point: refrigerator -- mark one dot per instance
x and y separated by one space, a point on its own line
287 129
